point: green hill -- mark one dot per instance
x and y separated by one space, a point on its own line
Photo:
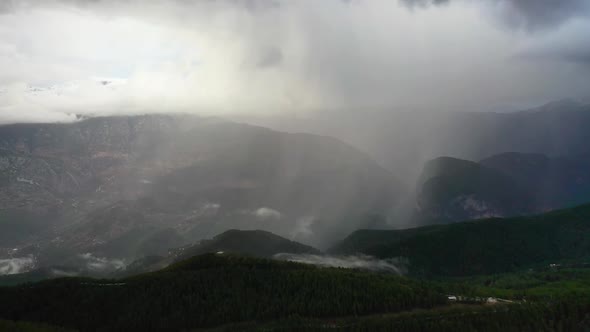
483 246
224 292
211 290
254 243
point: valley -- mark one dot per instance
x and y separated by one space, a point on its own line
295 165
183 222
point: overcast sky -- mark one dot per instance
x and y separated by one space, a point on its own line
60 57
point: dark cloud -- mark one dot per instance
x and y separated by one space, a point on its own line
570 44
271 58
423 3
579 54
534 14
523 14
7 6
527 14
580 57
226 56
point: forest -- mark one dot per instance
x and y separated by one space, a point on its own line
481 247
228 292
211 290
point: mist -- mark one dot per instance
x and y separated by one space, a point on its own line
354 97
101 264
16 265
61 59
362 262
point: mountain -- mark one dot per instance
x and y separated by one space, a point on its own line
130 186
252 243
401 139
504 185
452 189
480 247
255 243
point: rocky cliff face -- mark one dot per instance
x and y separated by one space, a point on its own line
503 185
454 190
138 185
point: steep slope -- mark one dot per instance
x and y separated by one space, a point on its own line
452 189
504 185
481 247
401 139
138 185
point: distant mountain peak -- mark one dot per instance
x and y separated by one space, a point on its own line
256 243
565 104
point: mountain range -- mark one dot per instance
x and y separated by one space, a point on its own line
128 187
403 140
107 191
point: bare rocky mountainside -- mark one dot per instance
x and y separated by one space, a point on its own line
126 187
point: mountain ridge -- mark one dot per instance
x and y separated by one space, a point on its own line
482 246
109 183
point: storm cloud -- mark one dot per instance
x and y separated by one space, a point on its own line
60 58
529 14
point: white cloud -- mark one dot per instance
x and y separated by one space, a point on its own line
102 264
265 213
303 227
350 262
16 265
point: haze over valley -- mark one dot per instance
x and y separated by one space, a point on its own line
295 165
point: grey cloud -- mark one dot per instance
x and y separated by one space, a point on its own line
238 56
7 6
578 53
423 3
541 13
580 56
527 14
571 46
272 57
16 265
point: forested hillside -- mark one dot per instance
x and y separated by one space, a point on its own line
221 292
255 243
483 246
211 290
